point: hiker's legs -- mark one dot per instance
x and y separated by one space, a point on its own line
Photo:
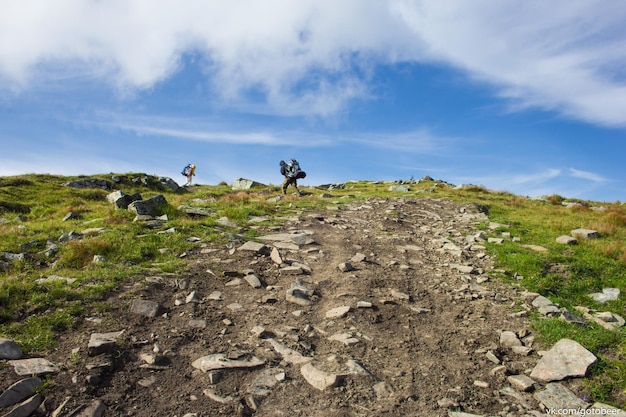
286 184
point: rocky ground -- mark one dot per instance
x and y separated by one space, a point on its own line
386 308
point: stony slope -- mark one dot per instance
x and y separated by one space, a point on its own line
385 308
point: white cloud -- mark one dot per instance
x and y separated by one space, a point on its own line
590 176
314 56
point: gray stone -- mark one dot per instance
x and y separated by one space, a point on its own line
19 391
33 366
100 343
262 386
291 270
253 280
221 361
556 397
145 308
585 234
12 257
464 269
521 382
607 294
299 294
346 267
359 257
317 378
195 211
345 338
9 349
289 355
95 409
26 408
607 410
121 199
276 257
567 358
244 184
167 182
151 207
197 323
566 240
192 297
72 216
257 247
299 239
509 339
337 312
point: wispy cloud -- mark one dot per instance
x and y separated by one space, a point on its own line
418 141
315 56
590 176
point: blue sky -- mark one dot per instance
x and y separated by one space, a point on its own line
522 96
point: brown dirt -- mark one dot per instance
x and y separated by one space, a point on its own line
423 355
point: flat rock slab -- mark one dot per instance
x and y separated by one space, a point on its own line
95 409
103 342
33 366
299 239
337 312
220 361
567 358
289 355
607 294
252 246
585 234
145 308
19 391
556 397
319 379
26 408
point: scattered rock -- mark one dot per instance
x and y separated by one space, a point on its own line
566 359
9 349
585 234
33 366
19 391
607 294
145 308
221 361
100 343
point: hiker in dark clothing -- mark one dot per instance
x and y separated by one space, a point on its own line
292 173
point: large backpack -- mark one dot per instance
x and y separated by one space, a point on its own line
187 170
283 168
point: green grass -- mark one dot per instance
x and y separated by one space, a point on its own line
32 208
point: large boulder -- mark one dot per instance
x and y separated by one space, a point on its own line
121 199
154 206
244 184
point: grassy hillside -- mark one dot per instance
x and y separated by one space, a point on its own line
101 247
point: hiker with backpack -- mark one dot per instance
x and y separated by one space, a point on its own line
189 171
292 173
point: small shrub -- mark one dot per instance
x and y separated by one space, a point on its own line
555 199
79 253
613 221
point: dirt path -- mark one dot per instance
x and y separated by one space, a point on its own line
421 314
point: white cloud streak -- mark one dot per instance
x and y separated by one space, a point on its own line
315 56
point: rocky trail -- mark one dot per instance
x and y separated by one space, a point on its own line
384 308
